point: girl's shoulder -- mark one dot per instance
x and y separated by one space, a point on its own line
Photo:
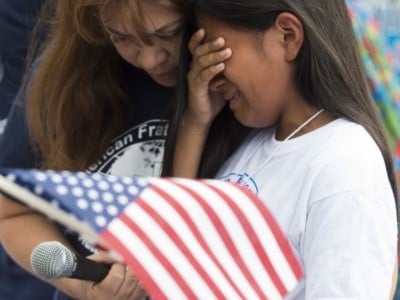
349 139
348 159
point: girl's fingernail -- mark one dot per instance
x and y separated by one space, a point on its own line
218 41
226 52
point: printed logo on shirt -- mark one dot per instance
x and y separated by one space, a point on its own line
137 152
242 179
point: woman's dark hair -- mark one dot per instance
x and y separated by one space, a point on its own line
329 73
75 104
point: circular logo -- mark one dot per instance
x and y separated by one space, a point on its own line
242 179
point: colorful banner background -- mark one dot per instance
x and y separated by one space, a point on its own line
377 27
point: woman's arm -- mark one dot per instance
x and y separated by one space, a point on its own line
21 229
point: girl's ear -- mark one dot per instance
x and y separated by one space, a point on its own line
292 34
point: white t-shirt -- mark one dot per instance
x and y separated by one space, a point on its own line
329 191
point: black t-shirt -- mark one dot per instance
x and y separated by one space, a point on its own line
138 150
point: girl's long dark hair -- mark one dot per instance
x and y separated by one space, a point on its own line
329 75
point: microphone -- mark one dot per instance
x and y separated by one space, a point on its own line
52 260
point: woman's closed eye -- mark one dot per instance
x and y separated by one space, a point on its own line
170 35
123 39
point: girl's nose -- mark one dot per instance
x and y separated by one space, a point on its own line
217 84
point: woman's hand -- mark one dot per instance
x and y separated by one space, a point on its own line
120 283
205 97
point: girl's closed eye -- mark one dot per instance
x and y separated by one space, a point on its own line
218 77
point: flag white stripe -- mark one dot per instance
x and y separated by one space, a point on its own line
137 248
182 230
237 234
171 252
262 229
209 234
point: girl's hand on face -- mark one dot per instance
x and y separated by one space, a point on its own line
120 283
205 100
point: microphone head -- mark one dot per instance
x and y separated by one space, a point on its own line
52 260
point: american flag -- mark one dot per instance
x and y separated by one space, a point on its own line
184 238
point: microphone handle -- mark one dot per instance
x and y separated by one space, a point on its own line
90 270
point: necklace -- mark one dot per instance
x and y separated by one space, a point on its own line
304 124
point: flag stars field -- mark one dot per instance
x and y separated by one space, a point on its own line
77 192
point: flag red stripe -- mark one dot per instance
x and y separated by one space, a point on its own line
181 282
230 245
138 269
197 234
277 232
254 240
182 247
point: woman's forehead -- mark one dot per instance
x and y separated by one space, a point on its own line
152 16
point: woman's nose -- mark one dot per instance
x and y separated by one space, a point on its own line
151 57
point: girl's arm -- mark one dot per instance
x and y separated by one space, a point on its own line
21 229
394 279
205 102
189 148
